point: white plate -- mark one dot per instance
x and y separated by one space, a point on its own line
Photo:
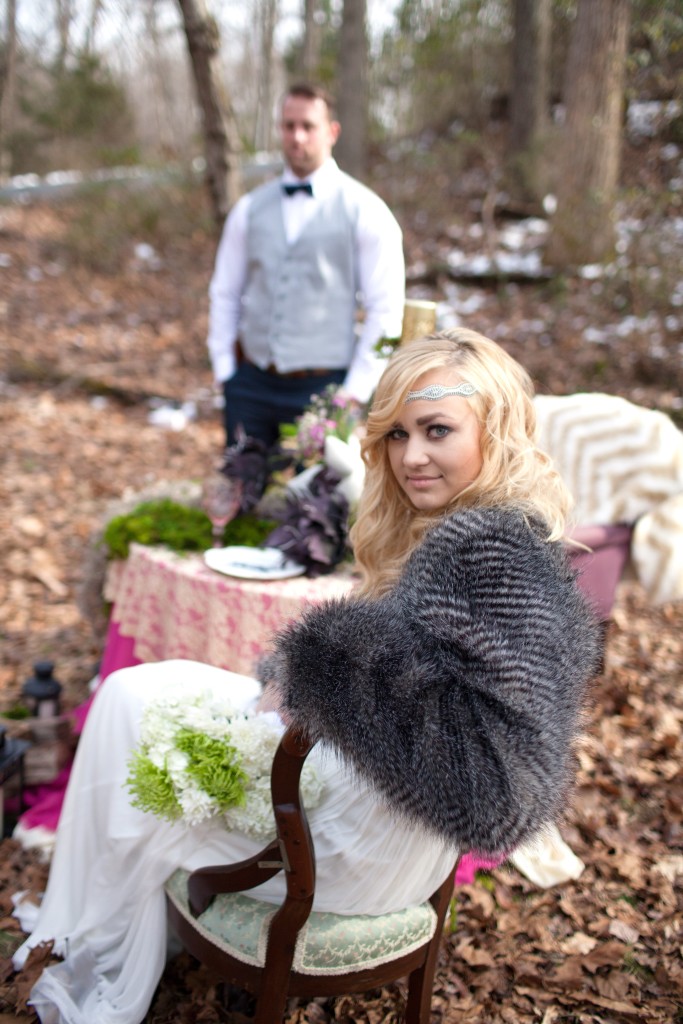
252 563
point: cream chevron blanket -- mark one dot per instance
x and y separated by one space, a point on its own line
623 464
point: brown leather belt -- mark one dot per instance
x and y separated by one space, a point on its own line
296 374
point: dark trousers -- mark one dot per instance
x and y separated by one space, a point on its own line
262 401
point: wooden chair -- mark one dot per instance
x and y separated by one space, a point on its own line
276 953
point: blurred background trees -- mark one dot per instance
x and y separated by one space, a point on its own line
536 89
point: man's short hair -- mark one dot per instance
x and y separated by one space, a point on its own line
309 91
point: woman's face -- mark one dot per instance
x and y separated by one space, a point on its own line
434 447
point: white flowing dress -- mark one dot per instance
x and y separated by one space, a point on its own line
104 905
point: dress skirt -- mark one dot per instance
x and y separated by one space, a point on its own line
104 906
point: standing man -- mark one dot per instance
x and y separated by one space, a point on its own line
297 257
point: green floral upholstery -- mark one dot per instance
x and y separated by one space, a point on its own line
327 943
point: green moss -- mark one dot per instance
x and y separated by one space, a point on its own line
17 713
248 530
179 527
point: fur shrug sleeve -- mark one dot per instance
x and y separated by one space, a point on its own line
457 694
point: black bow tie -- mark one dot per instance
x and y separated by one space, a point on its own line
305 186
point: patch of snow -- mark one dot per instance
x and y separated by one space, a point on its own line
595 336
171 417
528 263
633 324
146 257
25 181
644 119
64 178
536 326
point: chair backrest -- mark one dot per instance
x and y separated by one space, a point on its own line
293 851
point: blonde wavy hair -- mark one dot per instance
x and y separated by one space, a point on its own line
514 471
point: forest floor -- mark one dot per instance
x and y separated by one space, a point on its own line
105 318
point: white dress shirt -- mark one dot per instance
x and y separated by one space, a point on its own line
380 271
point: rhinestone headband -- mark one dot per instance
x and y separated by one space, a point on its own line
434 392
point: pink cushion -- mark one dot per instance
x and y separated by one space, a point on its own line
600 568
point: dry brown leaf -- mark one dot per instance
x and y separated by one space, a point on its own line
31 526
607 954
640 1012
579 942
671 866
43 567
626 932
567 974
474 956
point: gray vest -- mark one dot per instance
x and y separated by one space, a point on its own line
299 302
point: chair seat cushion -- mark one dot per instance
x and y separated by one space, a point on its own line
327 943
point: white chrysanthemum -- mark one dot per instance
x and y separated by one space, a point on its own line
176 765
257 740
196 804
256 817
159 753
311 787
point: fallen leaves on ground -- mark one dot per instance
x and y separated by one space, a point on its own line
606 948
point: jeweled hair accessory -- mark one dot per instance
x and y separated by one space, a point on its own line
433 392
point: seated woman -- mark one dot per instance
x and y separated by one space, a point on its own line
445 692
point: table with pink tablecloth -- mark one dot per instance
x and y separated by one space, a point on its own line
169 605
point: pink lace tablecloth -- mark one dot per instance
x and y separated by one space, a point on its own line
173 606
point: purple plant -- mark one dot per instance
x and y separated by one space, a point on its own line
247 461
314 526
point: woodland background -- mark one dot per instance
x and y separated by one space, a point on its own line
109 208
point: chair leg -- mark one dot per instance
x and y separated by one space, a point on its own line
420 987
270 1008
272 1000
419 1003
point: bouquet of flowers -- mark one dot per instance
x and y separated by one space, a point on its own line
330 413
199 758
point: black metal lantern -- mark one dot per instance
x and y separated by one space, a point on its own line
42 691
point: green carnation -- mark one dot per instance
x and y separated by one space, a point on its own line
151 788
215 766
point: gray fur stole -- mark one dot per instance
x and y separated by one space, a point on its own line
457 695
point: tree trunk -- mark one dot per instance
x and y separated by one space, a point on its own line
530 96
267 13
9 90
161 93
351 150
310 59
582 230
221 138
95 14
